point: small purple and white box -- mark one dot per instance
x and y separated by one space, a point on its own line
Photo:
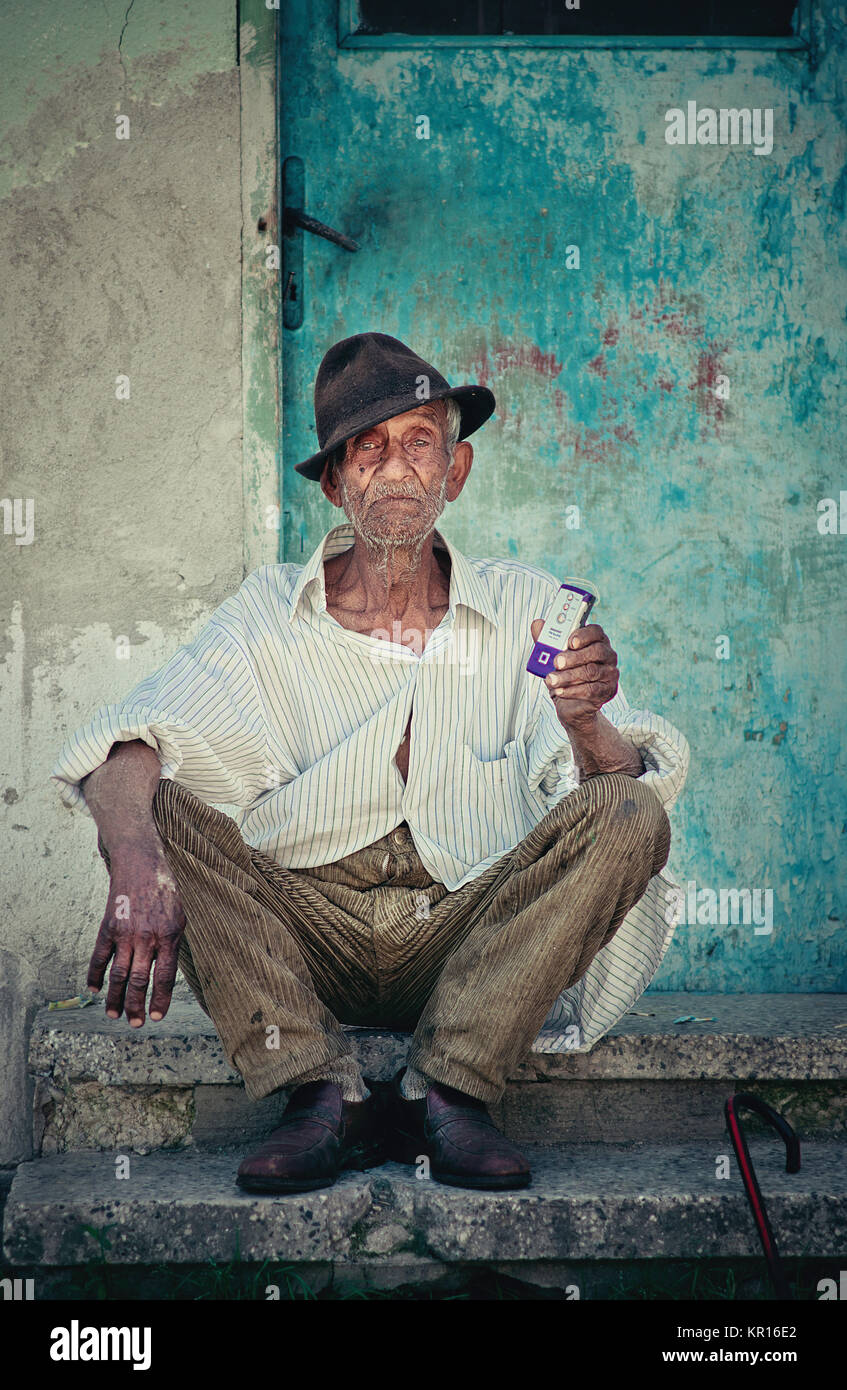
573 603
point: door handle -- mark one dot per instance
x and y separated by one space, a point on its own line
295 217
294 223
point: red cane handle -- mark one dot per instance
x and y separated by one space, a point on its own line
776 1121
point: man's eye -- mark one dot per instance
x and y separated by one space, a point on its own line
420 441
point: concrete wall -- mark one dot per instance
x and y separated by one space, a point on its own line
118 257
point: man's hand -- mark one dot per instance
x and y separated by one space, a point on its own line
586 676
144 921
585 679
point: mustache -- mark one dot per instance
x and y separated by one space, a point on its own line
393 492
433 496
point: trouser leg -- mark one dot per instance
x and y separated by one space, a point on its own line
572 881
256 956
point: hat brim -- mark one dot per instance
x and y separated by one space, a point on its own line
476 404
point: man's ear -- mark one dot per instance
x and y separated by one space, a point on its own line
329 489
459 469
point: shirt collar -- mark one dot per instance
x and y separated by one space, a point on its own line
466 586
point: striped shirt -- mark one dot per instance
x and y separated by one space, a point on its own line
278 709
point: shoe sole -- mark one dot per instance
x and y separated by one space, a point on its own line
282 1185
404 1154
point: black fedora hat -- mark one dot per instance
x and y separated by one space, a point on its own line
371 377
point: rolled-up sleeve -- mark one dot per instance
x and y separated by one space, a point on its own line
552 772
202 714
664 750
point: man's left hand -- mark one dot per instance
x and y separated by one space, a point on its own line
586 675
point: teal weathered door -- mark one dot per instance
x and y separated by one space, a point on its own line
659 323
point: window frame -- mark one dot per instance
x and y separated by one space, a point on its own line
349 17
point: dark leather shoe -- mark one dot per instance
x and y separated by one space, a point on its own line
319 1135
457 1134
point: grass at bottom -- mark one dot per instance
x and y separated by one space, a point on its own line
613 1280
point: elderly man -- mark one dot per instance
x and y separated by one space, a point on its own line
433 839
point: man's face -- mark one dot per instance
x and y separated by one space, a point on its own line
397 476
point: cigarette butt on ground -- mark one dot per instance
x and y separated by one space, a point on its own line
79 1001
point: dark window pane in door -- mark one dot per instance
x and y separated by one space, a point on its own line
704 18
431 17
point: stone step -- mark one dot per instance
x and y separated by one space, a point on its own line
586 1202
99 1084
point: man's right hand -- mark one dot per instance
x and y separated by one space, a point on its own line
144 921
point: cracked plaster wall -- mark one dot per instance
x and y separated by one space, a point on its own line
116 257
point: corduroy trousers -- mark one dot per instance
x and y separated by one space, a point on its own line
280 958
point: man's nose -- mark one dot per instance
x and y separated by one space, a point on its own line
394 459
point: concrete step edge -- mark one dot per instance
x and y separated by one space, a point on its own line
636 1201
758 1037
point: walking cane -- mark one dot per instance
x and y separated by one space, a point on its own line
792 1165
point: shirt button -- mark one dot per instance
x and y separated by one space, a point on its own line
397 838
